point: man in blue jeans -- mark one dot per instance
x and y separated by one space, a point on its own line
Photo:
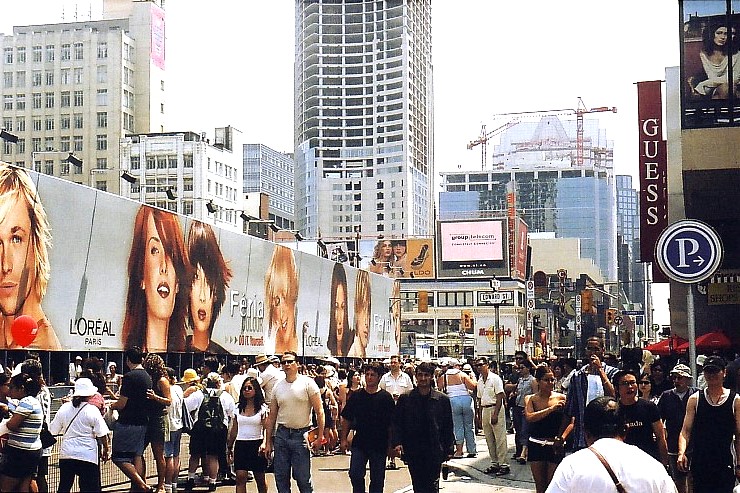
293 398
369 412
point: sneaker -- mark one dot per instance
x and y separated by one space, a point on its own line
190 484
503 471
211 486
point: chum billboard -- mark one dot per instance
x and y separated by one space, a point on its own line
709 57
98 271
473 249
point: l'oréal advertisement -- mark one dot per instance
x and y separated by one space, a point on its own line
91 270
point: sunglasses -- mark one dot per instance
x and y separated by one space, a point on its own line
247 388
645 383
288 361
480 364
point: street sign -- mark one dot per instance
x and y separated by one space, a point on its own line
689 251
530 304
530 289
640 320
494 297
618 320
633 312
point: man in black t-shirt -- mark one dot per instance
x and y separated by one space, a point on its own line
129 433
369 412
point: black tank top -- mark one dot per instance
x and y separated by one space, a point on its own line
712 433
547 427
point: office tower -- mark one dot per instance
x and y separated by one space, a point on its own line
553 193
364 118
271 172
79 87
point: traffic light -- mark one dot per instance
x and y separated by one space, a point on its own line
423 301
466 320
610 314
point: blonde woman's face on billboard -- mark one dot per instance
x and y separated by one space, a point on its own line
16 254
340 308
160 279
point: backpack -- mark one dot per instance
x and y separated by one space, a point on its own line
211 413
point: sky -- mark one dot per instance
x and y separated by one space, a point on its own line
230 62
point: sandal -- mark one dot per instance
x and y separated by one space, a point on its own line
491 469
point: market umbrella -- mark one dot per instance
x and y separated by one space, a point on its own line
664 347
711 341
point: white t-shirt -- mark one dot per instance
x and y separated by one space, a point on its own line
396 386
488 390
194 400
636 470
270 377
174 411
79 440
293 400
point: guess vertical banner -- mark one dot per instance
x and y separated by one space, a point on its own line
653 167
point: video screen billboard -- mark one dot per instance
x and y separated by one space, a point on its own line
710 64
100 272
473 249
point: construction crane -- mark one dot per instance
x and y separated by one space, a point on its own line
579 111
483 139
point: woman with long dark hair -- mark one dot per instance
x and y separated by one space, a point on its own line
340 334
159 397
245 447
22 452
83 429
715 55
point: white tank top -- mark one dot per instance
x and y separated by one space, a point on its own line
250 427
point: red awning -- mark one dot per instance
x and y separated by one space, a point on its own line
664 347
710 341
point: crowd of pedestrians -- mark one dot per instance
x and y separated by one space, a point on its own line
605 420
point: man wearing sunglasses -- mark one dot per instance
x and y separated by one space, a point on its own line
293 398
491 394
712 422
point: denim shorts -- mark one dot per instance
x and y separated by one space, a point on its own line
129 442
172 446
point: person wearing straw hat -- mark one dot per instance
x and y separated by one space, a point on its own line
82 428
269 374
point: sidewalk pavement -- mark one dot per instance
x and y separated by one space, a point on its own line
467 476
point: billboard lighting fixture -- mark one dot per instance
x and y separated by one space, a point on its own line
211 207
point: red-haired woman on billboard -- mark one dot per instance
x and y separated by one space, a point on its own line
159 284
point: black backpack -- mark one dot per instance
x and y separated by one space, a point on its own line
210 412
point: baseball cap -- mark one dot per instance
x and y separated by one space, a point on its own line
701 359
681 370
714 363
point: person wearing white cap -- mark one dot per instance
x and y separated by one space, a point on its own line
83 429
672 407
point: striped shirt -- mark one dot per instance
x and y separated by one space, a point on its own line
26 437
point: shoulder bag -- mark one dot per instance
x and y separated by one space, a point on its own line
608 468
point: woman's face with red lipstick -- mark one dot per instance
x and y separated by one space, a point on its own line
160 279
201 301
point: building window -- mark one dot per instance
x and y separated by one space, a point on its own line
20 124
102 119
49 123
78 76
65 99
8 55
64 145
7 123
187 160
21 54
36 144
101 163
8 79
49 143
36 50
20 78
102 50
37 101
66 53
79 51
135 162
102 142
64 122
103 74
79 98
49 167
36 78
37 124
49 53
49 75
77 143
64 76
8 102
49 99
102 97
64 168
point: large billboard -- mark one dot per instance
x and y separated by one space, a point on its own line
473 249
96 271
411 258
710 68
